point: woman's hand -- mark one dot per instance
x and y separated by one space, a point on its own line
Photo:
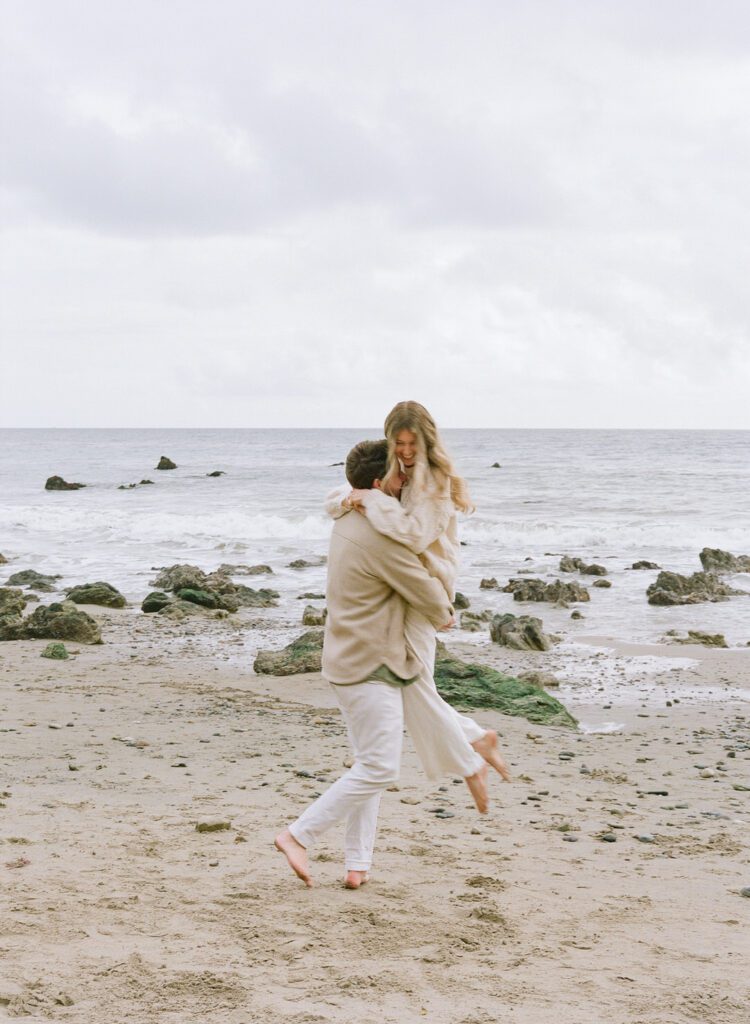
355 500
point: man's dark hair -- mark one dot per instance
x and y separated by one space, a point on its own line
366 462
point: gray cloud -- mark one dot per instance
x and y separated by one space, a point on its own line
525 214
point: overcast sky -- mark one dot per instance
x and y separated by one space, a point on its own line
234 213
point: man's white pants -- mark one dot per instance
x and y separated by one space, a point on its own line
374 717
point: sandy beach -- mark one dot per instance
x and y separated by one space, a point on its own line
116 908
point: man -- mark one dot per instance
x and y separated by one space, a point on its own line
371 580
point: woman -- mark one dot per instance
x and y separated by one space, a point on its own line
425 521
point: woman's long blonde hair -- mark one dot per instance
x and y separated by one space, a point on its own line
432 459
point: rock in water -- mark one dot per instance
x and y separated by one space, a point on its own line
217 472
165 463
489 583
32 578
56 483
522 632
302 563
697 636
672 589
3 560
476 686
54 622
716 560
57 651
155 601
594 570
602 583
643 564
301 655
228 596
460 601
202 597
100 593
570 564
314 616
538 590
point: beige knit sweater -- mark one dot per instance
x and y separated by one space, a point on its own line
424 522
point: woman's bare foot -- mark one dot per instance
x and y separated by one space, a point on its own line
295 854
477 784
486 747
355 879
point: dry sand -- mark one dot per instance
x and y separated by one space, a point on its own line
115 909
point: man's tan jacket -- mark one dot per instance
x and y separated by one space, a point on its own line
371 579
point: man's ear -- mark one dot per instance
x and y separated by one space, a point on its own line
377 485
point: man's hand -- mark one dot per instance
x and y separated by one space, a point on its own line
448 625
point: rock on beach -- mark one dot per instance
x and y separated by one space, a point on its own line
539 590
100 593
670 588
302 655
520 632
52 622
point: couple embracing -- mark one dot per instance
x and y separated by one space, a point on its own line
391 575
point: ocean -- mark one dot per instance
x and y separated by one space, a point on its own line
609 496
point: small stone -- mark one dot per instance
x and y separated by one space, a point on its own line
213 863
570 839
646 837
745 891
213 826
576 615
608 837
56 651
707 773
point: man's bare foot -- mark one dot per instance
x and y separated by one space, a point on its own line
296 854
477 784
486 747
355 879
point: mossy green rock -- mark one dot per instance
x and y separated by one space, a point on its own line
301 655
201 597
32 578
12 602
53 622
56 651
100 593
477 686
155 601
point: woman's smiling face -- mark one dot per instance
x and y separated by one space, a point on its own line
406 448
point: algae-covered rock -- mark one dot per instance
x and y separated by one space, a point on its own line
165 463
670 588
32 578
226 594
100 593
460 601
538 590
12 602
201 597
520 632
301 655
303 563
56 651
54 622
312 616
477 686
716 560
155 601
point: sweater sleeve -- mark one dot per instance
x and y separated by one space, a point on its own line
417 528
333 499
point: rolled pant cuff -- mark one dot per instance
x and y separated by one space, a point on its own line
356 865
300 835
